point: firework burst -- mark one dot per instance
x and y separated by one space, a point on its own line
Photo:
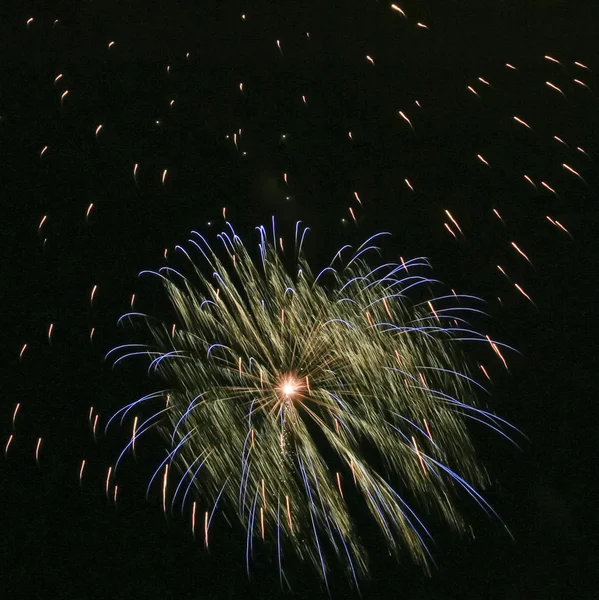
291 396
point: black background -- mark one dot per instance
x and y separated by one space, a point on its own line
60 540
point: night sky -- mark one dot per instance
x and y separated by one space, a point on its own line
323 112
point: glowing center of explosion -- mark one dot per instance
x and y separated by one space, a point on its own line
288 387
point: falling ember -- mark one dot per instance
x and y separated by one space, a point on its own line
419 455
42 222
496 350
519 288
43 151
558 224
534 185
454 221
132 300
405 118
10 438
482 368
519 120
108 474
471 89
95 425
81 471
450 230
98 129
262 521
164 173
50 329
353 216
37 450
409 184
428 431
399 10
521 253
63 96
91 334
193 518
358 198
339 484
554 87
92 295
568 168
133 438
89 210
551 59
482 159
164 484
14 414
206 529
22 351
560 140
116 491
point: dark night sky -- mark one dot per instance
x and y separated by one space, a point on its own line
62 541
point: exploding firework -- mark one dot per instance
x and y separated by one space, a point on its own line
290 395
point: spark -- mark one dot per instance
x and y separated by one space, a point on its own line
43 151
98 129
91 297
509 66
471 89
554 87
519 120
403 116
454 221
399 10
81 471
63 96
553 60
164 484
521 252
409 184
22 351
519 288
370 60
44 218
89 210
482 159
108 475
8 443
37 450
568 168
50 329
560 141
548 187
